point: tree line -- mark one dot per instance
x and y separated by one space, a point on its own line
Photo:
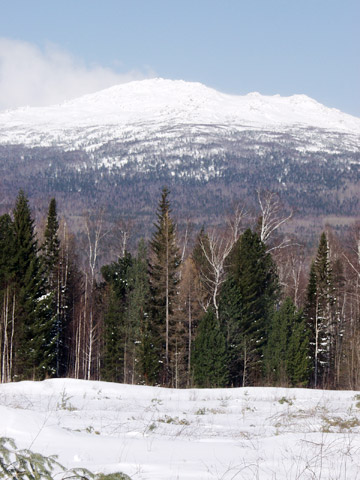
240 305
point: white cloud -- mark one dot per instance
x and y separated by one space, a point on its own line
36 77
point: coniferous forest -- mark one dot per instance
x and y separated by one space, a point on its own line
232 305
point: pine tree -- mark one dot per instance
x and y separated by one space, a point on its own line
209 355
164 278
35 351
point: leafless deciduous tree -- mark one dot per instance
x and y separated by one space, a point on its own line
291 268
216 247
120 235
86 334
272 217
7 330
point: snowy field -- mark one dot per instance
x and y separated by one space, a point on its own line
156 433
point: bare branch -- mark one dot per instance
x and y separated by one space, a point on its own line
272 216
352 265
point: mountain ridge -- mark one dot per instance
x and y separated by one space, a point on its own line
184 102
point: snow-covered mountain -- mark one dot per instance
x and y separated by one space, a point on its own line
164 131
139 109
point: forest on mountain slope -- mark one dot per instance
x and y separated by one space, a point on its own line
313 184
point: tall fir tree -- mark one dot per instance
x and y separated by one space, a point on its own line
164 267
35 349
247 302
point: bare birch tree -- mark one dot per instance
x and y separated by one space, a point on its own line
216 246
272 217
95 232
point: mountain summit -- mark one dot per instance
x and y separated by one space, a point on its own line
168 102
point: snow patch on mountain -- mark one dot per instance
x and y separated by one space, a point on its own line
159 101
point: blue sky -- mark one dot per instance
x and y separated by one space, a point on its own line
71 47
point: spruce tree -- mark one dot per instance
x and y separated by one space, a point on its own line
164 278
35 350
287 351
209 354
298 365
247 301
145 335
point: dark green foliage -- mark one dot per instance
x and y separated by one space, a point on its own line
25 242
246 306
287 352
230 318
35 349
209 354
7 250
51 246
146 338
7 296
54 287
130 350
299 367
116 276
146 320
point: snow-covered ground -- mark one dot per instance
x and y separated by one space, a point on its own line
165 434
